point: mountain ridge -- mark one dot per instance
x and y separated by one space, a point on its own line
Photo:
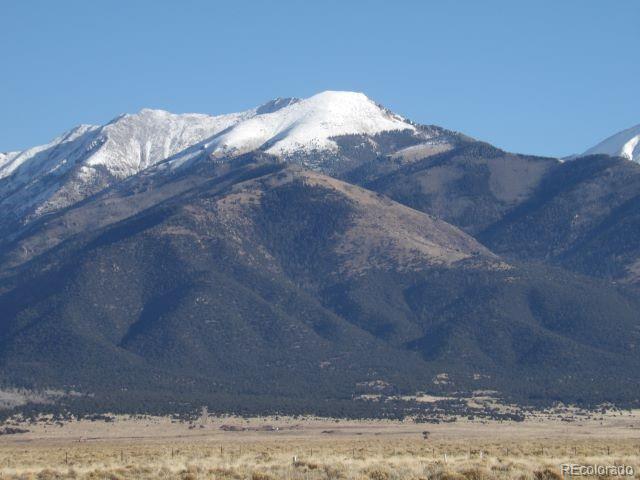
294 252
625 143
88 159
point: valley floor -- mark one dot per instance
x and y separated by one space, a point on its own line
308 449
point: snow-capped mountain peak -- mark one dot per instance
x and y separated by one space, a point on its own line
623 144
90 158
308 125
41 157
133 142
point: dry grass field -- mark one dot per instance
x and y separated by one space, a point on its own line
310 449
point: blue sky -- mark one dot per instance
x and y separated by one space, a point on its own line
543 77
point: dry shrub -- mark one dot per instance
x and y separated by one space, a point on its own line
451 476
261 476
439 472
333 473
103 475
48 474
502 467
118 474
263 456
546 474
164 472
191 473
376 473
476 473
303 464
220 473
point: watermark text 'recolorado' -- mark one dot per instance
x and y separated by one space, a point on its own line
575 469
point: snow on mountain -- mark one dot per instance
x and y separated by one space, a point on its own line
44 157
124 146
89 158
308 125
623 144
276 104
6 157
135 142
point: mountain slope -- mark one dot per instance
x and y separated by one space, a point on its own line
272 281
584 215
471 186
196 288
624 144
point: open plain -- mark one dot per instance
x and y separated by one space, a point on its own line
313 448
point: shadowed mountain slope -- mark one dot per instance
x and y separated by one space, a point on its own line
274 282
584 215
471 186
